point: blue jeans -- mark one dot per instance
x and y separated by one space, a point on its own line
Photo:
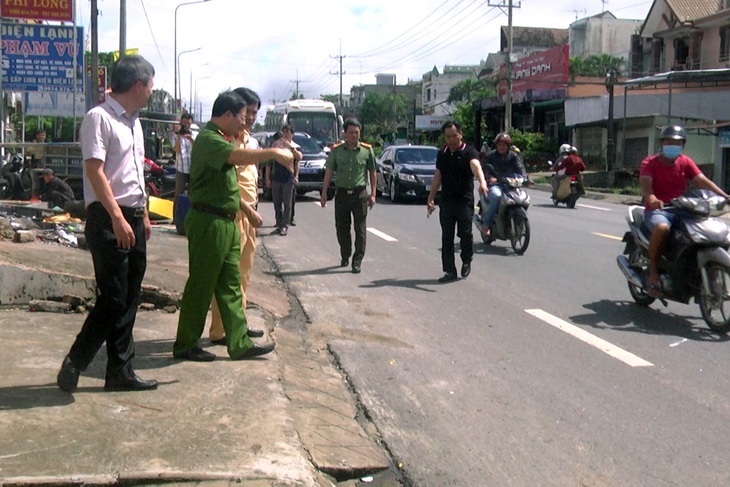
491 203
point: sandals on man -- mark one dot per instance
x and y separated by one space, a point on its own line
654 290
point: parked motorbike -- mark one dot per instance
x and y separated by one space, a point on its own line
695 262
511 222
159 181
15 179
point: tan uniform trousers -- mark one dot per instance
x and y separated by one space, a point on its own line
248 252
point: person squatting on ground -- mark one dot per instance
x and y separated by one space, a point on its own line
284 182
55 190
662 178
457 165
497 164
570 164
352 161
117 227
214 239
248 218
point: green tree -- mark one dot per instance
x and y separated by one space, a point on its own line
465 95
380 113
597 65
330 98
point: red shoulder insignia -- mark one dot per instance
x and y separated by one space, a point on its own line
337 144
366 145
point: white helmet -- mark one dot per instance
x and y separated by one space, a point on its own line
574 150
564 149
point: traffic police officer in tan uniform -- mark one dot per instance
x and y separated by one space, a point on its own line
353 161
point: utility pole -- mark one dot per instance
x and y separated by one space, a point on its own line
122 29
93 95
296 83
340 72
510 4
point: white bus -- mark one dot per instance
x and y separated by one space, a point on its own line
317 118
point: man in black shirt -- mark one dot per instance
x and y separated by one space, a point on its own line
457 164
55 190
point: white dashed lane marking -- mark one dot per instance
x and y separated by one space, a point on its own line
599 343
382 235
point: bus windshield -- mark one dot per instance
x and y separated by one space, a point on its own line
321 126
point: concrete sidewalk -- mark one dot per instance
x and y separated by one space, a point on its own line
284 419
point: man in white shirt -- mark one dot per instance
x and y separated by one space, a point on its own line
182 143
117 227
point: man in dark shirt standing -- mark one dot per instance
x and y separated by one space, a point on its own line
54 190
457 164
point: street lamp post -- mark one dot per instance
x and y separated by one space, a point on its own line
190 100
199 115
178 68
175 43
611 139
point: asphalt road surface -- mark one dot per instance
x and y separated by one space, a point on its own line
536 370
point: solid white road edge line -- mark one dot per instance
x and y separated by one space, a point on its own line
594 207
382 235
599 343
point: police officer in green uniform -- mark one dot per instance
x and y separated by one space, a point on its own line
214 241
353 161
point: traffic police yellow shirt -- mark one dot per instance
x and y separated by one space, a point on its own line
351 165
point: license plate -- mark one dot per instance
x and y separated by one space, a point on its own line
308 170
428 187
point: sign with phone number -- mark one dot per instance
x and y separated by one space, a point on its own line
41 57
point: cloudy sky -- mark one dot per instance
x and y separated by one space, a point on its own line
270 46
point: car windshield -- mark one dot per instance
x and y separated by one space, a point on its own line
416 156
308 146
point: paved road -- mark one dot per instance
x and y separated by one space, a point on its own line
536 370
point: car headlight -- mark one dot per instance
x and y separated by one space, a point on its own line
407 177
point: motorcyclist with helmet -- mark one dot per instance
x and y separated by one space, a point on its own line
498 163
662 178
569 163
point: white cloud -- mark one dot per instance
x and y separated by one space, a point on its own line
268 45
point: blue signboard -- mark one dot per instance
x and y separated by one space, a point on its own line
39 57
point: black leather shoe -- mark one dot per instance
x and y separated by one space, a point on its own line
68 376
221 341
196 354
256 351
254 333
133 383
356 269
344 262
449 277
465 269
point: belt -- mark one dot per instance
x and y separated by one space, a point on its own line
356 189
127 211
132 211
212 211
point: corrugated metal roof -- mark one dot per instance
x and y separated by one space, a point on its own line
687 10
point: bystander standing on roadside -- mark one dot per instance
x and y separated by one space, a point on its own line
248 217
117 227
214 239
457 165
182 143
353 161
284 182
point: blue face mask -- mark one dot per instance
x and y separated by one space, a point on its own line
671 151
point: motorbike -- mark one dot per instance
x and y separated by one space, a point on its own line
568 190
695 262
159 181
511 222
15 179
